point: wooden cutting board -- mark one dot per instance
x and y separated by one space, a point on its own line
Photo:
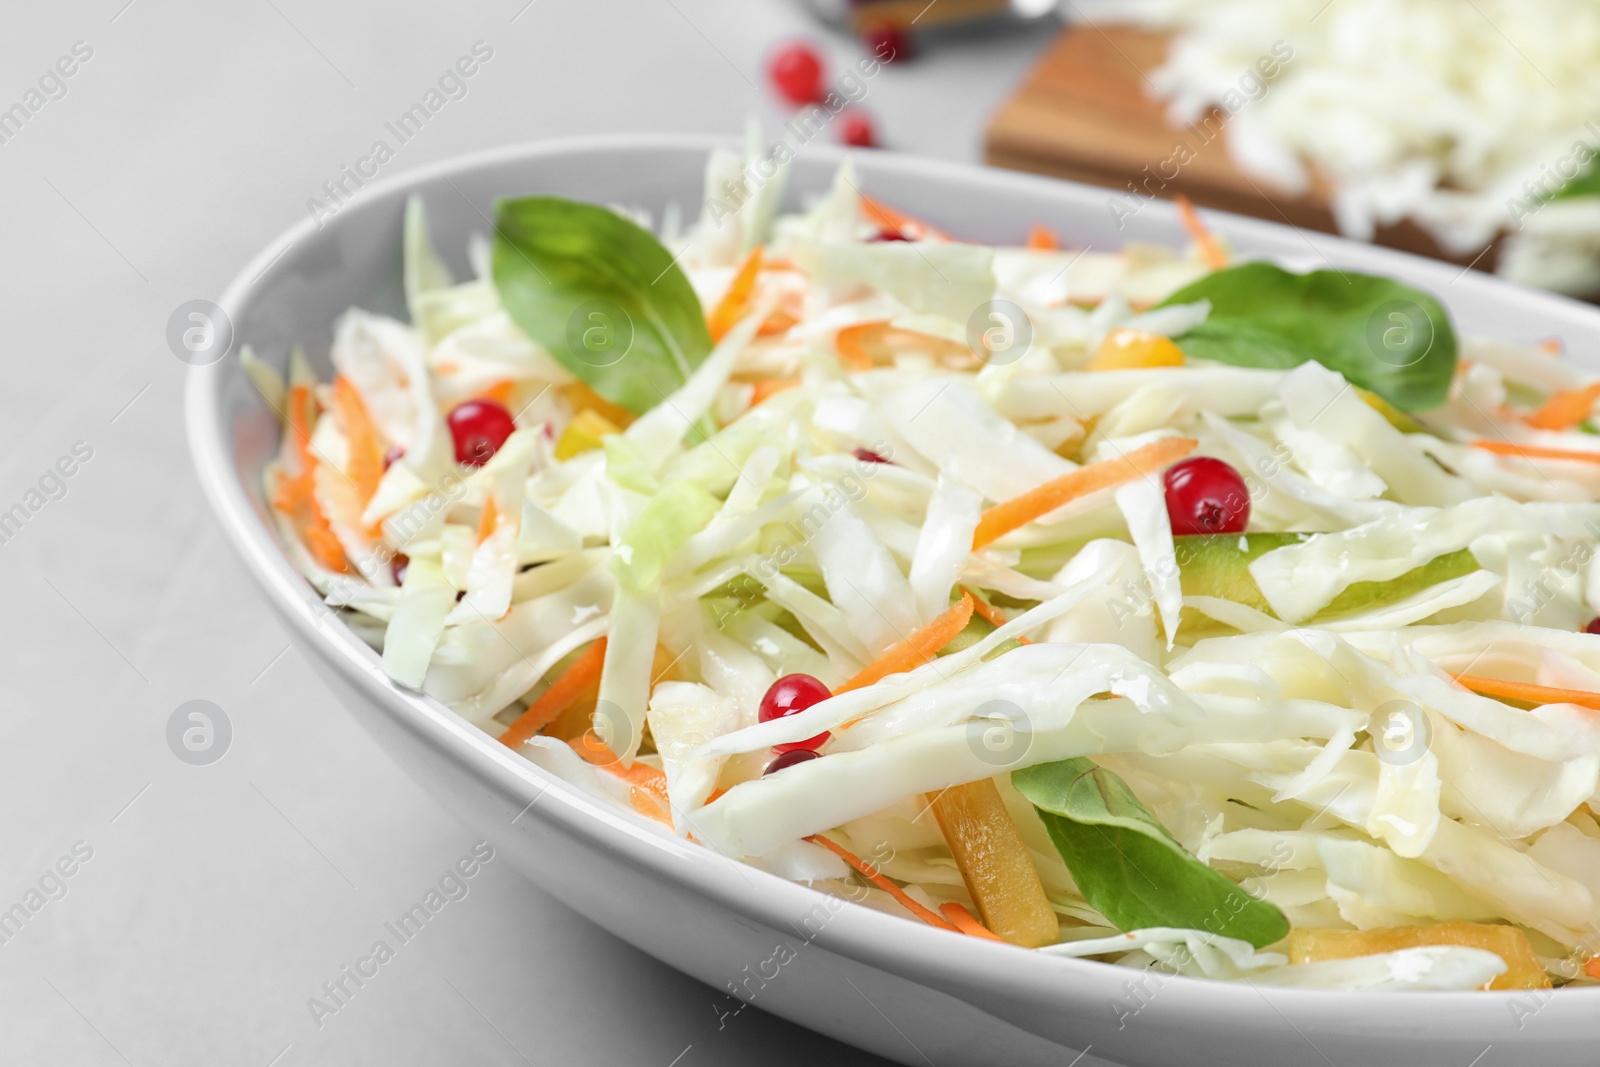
1086 112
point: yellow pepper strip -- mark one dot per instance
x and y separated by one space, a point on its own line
583 433
1129 349
995 864
1523 969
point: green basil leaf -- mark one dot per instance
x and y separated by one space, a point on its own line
1381 335
601 295
1128 867
1586 183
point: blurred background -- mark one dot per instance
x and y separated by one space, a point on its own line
149 148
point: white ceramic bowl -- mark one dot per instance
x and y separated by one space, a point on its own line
901 989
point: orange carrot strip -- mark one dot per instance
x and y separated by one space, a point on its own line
1008 515
647 787
300 405
1565 409
295 495
645 803
917 649
584 672
1592 967
500 393
881 214
966 922
487 519
990 613
765 390
1528 692
295 499
779 322
735 303
324 545
1041 239
851 343
365 465
1504 448
985 610
1551 346
872 875
1210 250
595 751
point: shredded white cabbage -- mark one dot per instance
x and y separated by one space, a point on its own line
1281 697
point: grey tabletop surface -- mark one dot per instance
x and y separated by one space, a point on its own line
183 914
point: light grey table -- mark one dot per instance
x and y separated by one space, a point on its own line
207 904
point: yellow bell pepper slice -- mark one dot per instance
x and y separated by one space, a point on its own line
583 433
995 864
1523 969
1129 349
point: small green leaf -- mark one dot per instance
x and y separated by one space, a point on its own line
1128 867
1381 335
1585 183
601 295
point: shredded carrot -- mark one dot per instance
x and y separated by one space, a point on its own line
917 649
763 391
595 751
1592 967
1210 250
735 303
487 519
1565 409
779 322
296 498
1504 448
1008 515
1041 239
873 875
889 218
646 803
562 693
984 609
1552 346
966 922
851 343
1527 692
500 393
295 495
990 613
647 786
365 465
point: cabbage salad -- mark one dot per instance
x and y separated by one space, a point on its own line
1151 606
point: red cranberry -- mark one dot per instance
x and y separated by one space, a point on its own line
1206 496
796 70
855 128
479 428
791 694
888 235
391 457
888 42
867 455
397 567
789 759
1593 627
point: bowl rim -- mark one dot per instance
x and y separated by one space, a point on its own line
884 941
